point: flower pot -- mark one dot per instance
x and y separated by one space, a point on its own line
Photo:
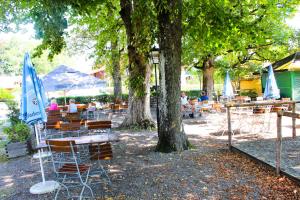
17 149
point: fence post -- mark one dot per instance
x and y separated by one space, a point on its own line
229 127
294 120
278 143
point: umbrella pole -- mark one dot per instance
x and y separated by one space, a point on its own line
44 186
40 157
65 97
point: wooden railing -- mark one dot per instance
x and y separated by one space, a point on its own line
292 114
264 103
280 114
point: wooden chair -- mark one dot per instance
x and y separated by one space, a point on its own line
116 107
69 171
71 117
124 107
53 125
100 152
54 113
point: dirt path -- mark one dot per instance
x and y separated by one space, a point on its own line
208 171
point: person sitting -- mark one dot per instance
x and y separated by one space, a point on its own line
72 108
184 101
53 105
186 104
203 97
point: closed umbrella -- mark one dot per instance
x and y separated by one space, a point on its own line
31 112
227 90
271 89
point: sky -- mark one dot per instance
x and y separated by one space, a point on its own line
295 21
27 32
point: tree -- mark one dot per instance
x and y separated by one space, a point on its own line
171 136
102 26
12 50
136 16
217 28
50 20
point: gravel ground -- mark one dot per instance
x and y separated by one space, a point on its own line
208 171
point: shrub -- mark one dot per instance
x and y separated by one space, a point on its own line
5 95
19 132
249 93
14 112
104 98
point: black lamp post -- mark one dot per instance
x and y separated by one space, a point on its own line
155 61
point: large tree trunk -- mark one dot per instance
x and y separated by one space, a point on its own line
139 114
116 72
208 77
170 133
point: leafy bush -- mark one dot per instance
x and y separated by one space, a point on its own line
14 112
193 94
249 93
17 133
5 95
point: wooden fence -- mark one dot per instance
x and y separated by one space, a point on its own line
275 103
292 114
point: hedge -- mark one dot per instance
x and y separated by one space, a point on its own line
104 98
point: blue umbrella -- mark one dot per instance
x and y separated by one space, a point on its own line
43 94
31 112
227 90
271 89
32 105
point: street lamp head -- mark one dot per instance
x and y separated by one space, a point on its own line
155 54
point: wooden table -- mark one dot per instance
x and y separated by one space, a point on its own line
84 140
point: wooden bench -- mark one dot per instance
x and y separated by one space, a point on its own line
104 125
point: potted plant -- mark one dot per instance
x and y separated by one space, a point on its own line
18 134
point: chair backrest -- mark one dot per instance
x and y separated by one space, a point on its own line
101 151
54 113
64 155
99 124
72 126
53 124
62 146
73 116
116 106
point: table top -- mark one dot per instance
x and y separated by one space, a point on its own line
87 139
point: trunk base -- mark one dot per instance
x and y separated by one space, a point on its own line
147 124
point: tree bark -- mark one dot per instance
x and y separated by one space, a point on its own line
139 114
170 133
208 77
116 72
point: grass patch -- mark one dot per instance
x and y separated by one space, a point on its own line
2 144
3 157
6 192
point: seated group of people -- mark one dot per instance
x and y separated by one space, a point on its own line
72 108
187 103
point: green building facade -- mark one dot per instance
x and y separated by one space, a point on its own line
288 83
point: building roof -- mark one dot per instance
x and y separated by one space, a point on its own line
289 63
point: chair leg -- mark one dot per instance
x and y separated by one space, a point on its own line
59 189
